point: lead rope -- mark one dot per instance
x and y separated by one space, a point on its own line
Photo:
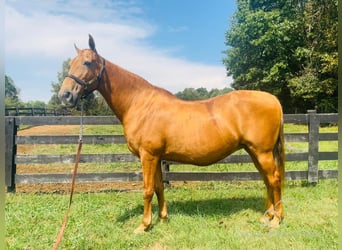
61 232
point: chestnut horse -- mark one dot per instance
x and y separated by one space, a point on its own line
159 126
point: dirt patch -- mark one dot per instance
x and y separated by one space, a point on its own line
64 188
50 130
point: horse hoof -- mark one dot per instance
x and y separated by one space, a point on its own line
274 223
142 229
163 220
265 219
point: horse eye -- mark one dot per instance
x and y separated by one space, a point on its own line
87 63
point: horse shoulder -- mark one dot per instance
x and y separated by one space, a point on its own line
145 124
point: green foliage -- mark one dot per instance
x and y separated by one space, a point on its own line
54 101
11 90
11 93
35 104
200 93
288 48
12 97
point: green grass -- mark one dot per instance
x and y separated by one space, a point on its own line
211 215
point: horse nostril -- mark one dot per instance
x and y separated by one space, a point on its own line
67 96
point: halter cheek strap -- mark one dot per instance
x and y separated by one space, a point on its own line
86 85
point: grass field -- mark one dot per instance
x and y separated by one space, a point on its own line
220 215
203 215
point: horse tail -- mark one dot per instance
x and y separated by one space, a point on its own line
279 152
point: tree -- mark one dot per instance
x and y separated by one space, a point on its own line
35 104
316 81
11 93
54 101
200 93
193 94
273 46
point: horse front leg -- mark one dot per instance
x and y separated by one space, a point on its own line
149 168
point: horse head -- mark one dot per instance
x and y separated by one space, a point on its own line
84 76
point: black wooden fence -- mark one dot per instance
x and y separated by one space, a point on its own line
312 156
19 111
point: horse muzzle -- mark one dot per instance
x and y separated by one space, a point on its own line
68 98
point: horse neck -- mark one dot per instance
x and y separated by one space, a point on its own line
120 88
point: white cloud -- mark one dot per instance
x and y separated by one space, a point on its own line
36 31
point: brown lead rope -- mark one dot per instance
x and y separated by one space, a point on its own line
78 155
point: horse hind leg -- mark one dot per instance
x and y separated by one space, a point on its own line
159 190
272 177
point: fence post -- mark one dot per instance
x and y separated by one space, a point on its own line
10 153
313 120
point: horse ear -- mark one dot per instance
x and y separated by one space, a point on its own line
92 43
77 49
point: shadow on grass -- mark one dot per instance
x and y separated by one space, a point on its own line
208 207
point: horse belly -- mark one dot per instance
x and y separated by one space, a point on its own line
200 151
195 158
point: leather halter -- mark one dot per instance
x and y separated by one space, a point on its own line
87 84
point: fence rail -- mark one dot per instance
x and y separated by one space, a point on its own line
312 156
17 111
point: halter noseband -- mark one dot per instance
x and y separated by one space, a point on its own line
86 85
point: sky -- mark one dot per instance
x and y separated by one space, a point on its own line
174 44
